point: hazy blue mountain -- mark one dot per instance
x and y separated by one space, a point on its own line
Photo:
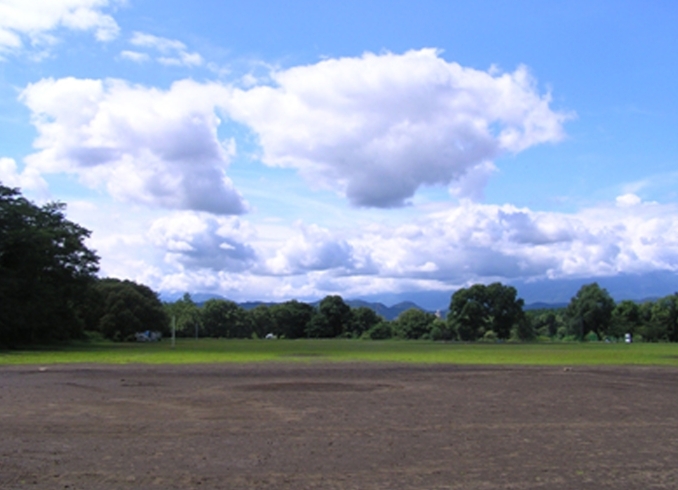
626 286
552 293
425 300
388 312
198 298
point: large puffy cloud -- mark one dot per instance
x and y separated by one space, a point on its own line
379 127
317 249
476 242
455 246
202 241
37 19
145 145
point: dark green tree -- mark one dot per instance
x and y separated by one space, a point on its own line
625 319
262 320
224 318
381 331
505 310
670 318
524 330
332 318
319 327
442 330
545 322
363 319
126 308
413 324
291 318
45 270
589 311
476 310
663 322
467 317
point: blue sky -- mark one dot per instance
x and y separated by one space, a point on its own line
270 150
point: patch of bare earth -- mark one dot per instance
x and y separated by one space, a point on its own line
343 426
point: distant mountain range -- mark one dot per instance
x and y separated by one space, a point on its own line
537 294
553 293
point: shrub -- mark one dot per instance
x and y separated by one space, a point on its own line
381 331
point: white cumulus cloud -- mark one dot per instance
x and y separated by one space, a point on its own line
29 179
379 127
202 241
452 247
475 242
315 249
628 200
145 145
37 20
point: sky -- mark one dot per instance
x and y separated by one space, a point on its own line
266 150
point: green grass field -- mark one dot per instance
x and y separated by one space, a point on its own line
244 351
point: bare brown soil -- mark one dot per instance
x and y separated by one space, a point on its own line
319 426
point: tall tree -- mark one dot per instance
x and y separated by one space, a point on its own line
126 308
625 319
363 319
479 309
505 310
45 269
263 321
589 311
291 318
223 318
332 318
663 324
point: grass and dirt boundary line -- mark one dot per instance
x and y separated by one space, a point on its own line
191 351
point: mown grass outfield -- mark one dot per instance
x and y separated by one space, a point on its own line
191 351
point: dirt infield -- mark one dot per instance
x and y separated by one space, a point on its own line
341 426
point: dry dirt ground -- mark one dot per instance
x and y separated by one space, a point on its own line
340 426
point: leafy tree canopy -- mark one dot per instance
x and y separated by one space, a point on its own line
479 309
223 318
45 269
333 317
590 311
413 324
291 318
125 308
363 319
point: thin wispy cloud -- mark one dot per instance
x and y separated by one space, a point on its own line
169 52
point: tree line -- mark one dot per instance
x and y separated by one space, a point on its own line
49 291
478 313
593 315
